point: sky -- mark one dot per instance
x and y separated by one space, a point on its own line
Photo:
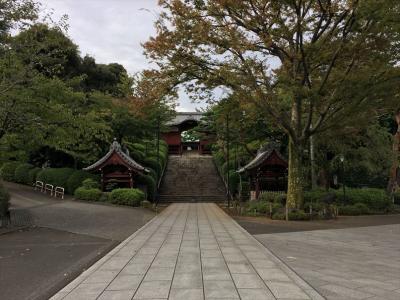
112 31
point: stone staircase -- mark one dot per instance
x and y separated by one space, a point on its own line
191 178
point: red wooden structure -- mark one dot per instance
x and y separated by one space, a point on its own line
267 171
117 167
184 121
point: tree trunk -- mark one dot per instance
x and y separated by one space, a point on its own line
295 177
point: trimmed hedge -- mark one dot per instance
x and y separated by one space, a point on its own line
151 185
21 174
376 200
75 180
354 210
55 176
92 194
4 201
90 183
7 171
32 174
131 197
152 163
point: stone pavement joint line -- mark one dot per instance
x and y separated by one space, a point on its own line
190 251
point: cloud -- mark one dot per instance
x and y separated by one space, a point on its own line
112 31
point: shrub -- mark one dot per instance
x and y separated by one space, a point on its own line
150 184
76 179
298 215
32 174
55 176
152 163
233 181
91 194
314 196
245 193
258 207
145 204
90 183
21 174
131 197
7 171
4 201
374 199
278 216
396 197
354 210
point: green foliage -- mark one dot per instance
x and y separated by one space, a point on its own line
152 163
396 197
22 173
245 193
76 179
88 194
131 197
55 176
7 171
354 210
298 215
150 184
233 181
90 183
146 204
374 199
4 201
32 174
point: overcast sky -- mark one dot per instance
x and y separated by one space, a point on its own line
112 31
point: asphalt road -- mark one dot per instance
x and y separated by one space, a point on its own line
60 239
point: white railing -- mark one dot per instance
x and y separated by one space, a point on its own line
39 185
59 191
48 188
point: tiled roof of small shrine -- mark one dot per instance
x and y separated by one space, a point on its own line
262 156
185 116
116 147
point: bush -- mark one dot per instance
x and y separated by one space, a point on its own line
278 216
152 163
354 210
374 199
91 194
55 176
7 171
4 201
90 183
245 194
298 215
76 179
257 207
396 197
233 181
150 184
32 174
145 204
21 174
131 197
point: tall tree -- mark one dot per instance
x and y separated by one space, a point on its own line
310 66
394 180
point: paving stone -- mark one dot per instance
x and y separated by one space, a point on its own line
255 294
220 289
247 281
188 249
186 294
156 273
125 282
116 295
187 281
286 290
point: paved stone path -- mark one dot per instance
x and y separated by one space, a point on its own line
189 251
351 263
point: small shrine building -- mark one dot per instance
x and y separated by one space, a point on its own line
117 167
267 171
